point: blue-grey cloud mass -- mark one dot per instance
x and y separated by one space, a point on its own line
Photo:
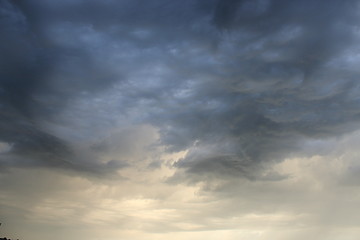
239 83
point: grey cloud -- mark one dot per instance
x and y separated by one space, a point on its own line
225 13
274 87
240 83
38 77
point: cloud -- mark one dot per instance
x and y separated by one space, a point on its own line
274 82
199 119
239 84
143 205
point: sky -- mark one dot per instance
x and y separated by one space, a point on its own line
183 120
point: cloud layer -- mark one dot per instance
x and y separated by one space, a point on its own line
242 80
143 103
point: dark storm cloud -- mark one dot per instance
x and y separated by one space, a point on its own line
280 80
240 83
53 52
28 59
22 67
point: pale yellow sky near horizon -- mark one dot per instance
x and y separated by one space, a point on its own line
318 198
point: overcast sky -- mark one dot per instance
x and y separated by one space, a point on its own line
184 120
